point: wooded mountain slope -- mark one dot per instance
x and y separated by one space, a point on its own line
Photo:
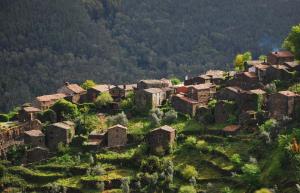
44 43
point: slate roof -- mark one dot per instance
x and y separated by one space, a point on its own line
31 109
102 87
34 133
153 90
202 86
231 128
282 54
165 128
51 97
75 88
288 93
117 126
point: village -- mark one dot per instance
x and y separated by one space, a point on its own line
239 101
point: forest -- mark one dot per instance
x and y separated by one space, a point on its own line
44 43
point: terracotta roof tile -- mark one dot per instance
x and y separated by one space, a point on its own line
31 109
165 128
282 54
34 133
288 93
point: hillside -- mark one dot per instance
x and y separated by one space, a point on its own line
44 43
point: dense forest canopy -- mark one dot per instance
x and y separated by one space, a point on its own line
44 43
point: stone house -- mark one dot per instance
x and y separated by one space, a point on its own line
96 140
248 118
217 76
184 105
11 133
280 57
261 71
146 84
61 132
245 80
73 92
223 110
27 113
36 154
181 90
94 92
119 92
150 98
201 79
116 136
245 100
278 72
282 104
46 101
161 137
293 66
34 138
201 92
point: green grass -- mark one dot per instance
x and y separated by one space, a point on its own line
187 125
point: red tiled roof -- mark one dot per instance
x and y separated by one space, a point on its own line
231 128
51 97
282 54
75 88
34 133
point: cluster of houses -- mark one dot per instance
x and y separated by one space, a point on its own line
246 89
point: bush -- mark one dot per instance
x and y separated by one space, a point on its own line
155 121
189 171
151 164
88 84
187 189
49 116
175 81
236 159
251 174
190 142
120 118
2 171
201 144
65 110
170 117
87 123
103 99
4 118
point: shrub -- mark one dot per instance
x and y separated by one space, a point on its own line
2 171
201 144
251 173
170 116
189 171
103 99
175 81
158 113
263 190
155 121
236 159
49 116
87 123
88 84
65 110
4 118
190 141
125 185
151 164
187 189
120 118
127 104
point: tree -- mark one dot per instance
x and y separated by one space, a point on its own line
187 189
170 116
103 99
262 57
88 84
125 185
240 59
120 118
65 110
49 116
4 118
87 123
292 41
175 81
251 174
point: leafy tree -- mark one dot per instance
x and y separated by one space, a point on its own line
292 42
88 84
155 121
120 118
175 81
87 123
187 189
190 141
262 58
170 116
127 104
4 118
240 59
189 171
65 110
103 99
49 116
236 159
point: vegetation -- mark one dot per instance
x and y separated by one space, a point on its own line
292 42
103 99
123 41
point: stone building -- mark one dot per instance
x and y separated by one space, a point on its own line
46 101
94 92
27 113
282 104
184 105
278 72
245 80
146 84
280 57
150 98
201 79
73 92
217 77
61 132
96 140
36 154
202 92
116 136
161 137
223 111
34 138
293 66
119 92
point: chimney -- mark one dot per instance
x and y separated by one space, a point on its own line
67 83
